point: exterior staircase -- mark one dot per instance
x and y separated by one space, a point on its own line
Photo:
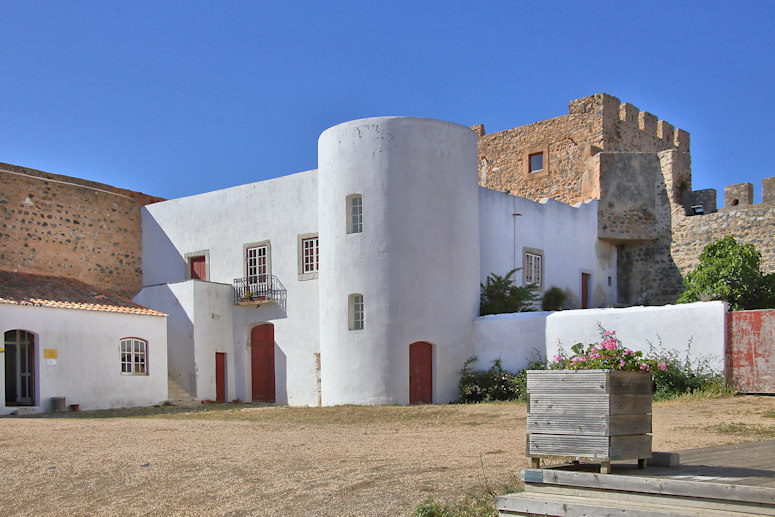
178 396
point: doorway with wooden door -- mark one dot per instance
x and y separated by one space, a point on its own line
262 363
421 373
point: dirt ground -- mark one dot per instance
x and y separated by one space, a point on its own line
247 460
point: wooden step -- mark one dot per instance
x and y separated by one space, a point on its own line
570 493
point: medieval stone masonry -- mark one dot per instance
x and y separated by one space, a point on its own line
640 169
65 226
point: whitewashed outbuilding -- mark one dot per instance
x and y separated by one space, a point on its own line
64 339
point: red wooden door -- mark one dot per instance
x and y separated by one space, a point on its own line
220 377
262 362
198 269
420 373
585 290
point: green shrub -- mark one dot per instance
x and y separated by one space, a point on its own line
554 299
494 383
499 295
730 271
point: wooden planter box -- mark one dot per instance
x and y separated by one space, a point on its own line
602 415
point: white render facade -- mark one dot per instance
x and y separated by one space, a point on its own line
77 354
373 262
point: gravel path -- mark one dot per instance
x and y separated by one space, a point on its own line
247 460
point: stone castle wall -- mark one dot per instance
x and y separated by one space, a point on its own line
58 225
593 124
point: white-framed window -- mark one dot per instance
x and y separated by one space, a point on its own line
533 267
309 256
134 356
354 213
257 265
356 316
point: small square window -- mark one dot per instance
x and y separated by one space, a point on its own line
536 162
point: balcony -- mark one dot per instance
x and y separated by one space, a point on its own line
262 289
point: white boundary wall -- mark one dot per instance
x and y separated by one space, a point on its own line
674 327
518 338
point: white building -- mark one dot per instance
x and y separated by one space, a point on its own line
62 338
365 273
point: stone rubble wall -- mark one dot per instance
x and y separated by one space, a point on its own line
58 225
593 124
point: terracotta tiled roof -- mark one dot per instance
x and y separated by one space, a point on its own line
63 293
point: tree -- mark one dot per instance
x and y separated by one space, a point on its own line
730 271
499 295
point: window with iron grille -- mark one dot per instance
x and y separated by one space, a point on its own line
134 356
356 311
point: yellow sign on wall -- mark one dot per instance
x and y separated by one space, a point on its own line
50 353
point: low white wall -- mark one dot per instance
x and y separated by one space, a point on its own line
674 327
515 339
87 370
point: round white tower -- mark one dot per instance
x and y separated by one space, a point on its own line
399 245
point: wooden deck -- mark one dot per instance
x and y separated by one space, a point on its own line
726 480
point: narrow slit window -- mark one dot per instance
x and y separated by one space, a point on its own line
356 312
354 213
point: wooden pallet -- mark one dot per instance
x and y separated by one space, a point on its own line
567 493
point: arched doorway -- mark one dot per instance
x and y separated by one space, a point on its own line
262 362
19 368
421 373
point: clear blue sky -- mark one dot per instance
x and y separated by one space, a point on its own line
177 98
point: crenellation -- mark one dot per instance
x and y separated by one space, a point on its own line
740 194
647 123
665 131
681 140
768 190
628 113
478 129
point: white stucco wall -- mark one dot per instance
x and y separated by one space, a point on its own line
88 366
219 224
416 262
515 339
566 235
702 324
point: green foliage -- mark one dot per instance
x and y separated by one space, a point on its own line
730 271
499 295
554 299
494 383
672 375
469 506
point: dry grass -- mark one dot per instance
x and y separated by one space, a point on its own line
238 459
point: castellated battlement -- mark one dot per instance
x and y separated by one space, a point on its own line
646 122
741 194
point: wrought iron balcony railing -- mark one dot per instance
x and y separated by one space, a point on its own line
259 289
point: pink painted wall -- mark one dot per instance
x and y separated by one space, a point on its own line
750 358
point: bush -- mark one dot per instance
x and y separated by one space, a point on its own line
730 271
499 295
554 299
495 383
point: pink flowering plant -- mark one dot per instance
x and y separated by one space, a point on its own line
608 354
